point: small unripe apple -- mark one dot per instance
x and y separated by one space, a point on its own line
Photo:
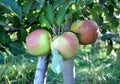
66 44
38 42
87 30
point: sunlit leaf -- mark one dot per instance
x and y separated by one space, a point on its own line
43 21
57 61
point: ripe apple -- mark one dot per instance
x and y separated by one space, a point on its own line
38 42
87 30
67 45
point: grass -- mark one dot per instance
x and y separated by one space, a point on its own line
91 68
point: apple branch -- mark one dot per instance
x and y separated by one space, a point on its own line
40 74
69 72
83 11
13 29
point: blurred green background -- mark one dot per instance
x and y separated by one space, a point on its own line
97 63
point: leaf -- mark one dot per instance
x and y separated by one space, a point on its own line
4 38
16 48
49 13
12 6
108 36
57 61
1 59
31 16
22 35
57 3
43 21
61 13
41 2
117 40
109 47
26 7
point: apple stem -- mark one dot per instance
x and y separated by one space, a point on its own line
40 74
69 72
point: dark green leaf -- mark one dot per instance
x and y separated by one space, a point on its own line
41 2
22 35
4 38
16 48
31 16
57 3
1 59
109 47
117 40
49 12
26 7
13 6
108 36
2 48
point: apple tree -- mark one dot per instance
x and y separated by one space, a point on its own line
19 18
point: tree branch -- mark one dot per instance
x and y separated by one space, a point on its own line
13 29
83 11
40 74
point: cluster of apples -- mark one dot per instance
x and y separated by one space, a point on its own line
38 42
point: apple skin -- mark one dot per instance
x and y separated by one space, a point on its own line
87 30
67 45
38 42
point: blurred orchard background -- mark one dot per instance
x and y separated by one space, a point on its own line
97 63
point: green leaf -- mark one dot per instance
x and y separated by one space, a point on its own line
109 47
21 35
16 48
2 48
31 16
57 61
49 12
43 21
12 6
41 2
61 13
57 3
4 38
117 40
26 7
1 59
108 36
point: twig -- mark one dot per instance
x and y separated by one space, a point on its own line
84 13
13 29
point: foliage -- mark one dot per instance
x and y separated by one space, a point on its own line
95 63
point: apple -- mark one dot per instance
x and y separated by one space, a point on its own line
66 44
87 31
38 42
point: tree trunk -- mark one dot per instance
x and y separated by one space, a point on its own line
40 74
69 72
